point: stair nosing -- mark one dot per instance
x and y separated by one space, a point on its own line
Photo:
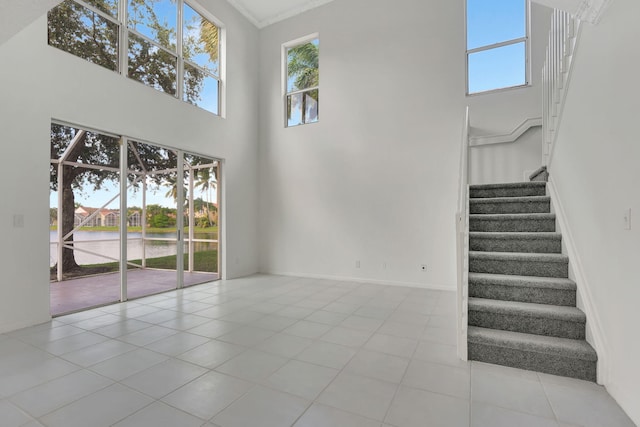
536 282
527 309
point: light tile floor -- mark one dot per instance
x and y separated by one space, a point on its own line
276 351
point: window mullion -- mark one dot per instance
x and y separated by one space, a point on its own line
309 89
179 47
123 61
497 45
98 11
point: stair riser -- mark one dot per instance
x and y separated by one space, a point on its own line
509 208
547 246
507 192
528 325
519 268
561 297
512 225
534 361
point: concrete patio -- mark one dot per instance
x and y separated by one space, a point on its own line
79 294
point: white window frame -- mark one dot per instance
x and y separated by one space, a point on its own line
527 43
285 67
123 48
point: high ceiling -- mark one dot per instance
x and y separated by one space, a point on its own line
266 12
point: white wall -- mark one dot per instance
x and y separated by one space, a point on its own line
375 180
42 83
595 167
13 19
506 162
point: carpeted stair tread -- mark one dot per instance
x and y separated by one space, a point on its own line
576 349
520 222
528 204
522 281
515 241
519 263
529 235
521 303
539 290
514 189
519 217
525 309
517 199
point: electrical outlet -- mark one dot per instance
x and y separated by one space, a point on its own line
358 264
627 219
384 265
423 267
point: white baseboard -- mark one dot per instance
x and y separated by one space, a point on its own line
594 325
434 287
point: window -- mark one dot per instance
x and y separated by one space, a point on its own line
302 79
497 44
144 40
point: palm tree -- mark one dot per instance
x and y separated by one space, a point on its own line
206 182
302 65
303 72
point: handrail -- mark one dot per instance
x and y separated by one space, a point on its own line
513 136
462 241
556 73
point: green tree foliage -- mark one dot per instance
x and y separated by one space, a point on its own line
302 73
147 63
302 67
159 221
79 146
78 30
84 33
83 147
53 215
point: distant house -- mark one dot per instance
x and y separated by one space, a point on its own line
104 217
134 219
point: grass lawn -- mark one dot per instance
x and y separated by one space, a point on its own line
203 261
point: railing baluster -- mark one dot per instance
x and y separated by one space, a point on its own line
555 74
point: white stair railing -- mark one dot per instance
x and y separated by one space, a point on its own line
462 241
556 72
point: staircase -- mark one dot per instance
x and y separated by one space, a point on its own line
522 305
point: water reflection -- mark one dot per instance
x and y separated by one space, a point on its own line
107 244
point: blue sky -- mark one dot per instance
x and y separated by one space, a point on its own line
95 199
490 22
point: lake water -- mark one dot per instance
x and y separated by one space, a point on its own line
107 244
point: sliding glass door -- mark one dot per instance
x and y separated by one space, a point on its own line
152 247
128 219
201 219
